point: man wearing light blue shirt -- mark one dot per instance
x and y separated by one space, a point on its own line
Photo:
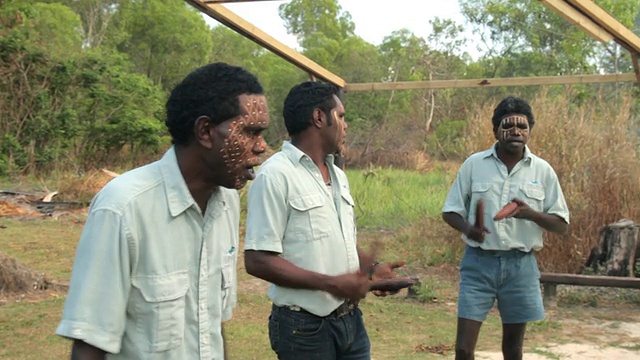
301 236
155 270
499 262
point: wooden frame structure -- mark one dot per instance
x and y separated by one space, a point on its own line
585 14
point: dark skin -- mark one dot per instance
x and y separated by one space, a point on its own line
204 170
274 269
324 137
83 351
512 135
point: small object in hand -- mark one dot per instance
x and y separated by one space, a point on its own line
391 284
507 211
479 214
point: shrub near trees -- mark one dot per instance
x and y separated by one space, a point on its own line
64 107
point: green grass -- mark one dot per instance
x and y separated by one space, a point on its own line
392 198
27 330
43 245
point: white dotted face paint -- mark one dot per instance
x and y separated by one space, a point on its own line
244 141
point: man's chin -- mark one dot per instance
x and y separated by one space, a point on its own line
514 147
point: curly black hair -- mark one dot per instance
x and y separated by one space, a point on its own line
512 105
212 91
303 99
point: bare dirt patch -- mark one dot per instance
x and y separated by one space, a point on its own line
569 352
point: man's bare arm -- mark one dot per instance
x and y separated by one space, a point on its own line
276 270
83 351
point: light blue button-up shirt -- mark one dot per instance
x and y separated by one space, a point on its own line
153 278
290 211
484 176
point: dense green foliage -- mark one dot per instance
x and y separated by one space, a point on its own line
83 82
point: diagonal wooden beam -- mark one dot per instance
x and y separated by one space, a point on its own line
576 18
476 83
622 35
246 29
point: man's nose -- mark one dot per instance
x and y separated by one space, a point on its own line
260 146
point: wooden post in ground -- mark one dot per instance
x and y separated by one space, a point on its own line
549 295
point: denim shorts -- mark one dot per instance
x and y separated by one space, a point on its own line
510 277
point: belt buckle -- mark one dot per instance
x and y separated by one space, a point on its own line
344 309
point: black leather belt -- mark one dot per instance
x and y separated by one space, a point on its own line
345 308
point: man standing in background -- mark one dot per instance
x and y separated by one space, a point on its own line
499 261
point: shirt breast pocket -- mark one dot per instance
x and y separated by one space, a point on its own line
160 310
309 219
534 196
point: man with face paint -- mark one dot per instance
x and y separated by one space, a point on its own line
499 261
155 270
301 235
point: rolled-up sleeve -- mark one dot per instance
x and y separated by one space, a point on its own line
459 193
266 215
95 308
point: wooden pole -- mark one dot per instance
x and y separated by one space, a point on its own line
471 83
636 66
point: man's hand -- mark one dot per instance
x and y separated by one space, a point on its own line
386 271
352 286
548 222
523 211
476 234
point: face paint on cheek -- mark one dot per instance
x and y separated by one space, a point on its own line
233 145
336 119
257 115
512 126
237 151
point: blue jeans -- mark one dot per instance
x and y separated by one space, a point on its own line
298 335
510 277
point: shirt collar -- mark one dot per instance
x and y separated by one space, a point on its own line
296 155
178 196
494 153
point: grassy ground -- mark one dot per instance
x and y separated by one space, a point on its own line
399 327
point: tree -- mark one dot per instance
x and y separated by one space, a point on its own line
96 18
320 26
165 39
54 28
56 111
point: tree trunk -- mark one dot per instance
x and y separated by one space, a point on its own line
617 249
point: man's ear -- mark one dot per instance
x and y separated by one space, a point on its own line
319 118
203 131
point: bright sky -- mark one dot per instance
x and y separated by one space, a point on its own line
374 19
